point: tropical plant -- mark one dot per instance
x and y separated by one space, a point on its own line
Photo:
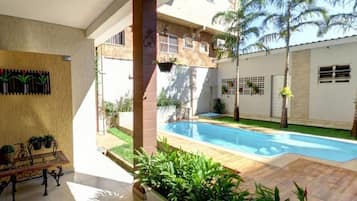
218 106
240 27
42 79
290 17
179 175
24 78
4 76
164 100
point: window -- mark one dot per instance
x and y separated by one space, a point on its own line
251 85
339 73
117 39
168 43
219 44
228 86
204 47
188 42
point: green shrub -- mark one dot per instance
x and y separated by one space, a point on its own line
219 106
163 100
178 175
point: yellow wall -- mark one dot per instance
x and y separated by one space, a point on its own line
23 116
25 35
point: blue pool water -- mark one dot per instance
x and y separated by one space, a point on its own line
264 144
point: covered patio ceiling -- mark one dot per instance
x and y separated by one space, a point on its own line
99 18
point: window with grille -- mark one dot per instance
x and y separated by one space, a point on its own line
117 39
168 43
228 86
338 73
251 85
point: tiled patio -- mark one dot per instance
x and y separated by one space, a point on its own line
102 180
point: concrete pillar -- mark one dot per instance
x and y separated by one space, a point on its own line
354 127
144 55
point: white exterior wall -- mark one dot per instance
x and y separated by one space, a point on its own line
182 83
257 105
333 101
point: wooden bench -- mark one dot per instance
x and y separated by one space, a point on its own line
23 170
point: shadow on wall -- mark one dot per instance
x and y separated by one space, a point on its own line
187 84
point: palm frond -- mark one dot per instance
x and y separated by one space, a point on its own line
270 18
258 46
311 12
267 38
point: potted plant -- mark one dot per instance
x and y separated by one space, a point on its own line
5 77
7 154
24 78
36 142
224 89
165 64
253 86
48 140
42 81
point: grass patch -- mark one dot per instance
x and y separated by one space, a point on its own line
125 150
328 132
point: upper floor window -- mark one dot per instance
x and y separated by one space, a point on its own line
168 43
338 73
117 39
204 47
188 42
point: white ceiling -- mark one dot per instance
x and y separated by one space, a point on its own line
74 13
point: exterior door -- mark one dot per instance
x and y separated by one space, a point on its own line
276 103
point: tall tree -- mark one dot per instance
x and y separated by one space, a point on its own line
345 21
291 17
239 26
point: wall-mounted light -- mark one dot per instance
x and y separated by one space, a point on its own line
67 58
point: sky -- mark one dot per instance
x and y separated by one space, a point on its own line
309 34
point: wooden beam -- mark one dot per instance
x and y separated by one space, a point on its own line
144 56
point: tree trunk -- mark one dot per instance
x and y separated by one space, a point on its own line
354 127
236 94
284 109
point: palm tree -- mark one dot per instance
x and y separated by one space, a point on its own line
292 16
345 21
239 28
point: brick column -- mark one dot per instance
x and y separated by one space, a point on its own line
354 127
144 55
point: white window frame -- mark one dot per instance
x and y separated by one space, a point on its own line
185 39
333 72
206 49
168 43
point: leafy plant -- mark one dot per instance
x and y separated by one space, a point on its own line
4 75
36 142
178 175
42 79
164 100
125 104
219 106
23 78
224 89
253 86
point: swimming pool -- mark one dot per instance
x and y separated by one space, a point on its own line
265 145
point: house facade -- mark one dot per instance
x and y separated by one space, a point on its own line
183 34
322 77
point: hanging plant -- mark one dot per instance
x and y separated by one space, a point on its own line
165 64
4 76
286 91
224 89
253 86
